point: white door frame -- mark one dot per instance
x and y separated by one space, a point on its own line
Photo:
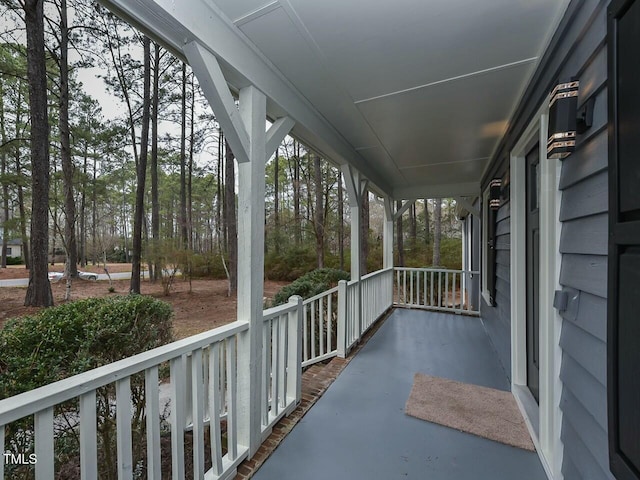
544 419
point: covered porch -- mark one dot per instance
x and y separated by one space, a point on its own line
358 428
427 132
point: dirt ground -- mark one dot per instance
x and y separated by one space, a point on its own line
202 308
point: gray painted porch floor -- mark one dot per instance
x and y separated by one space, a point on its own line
358 428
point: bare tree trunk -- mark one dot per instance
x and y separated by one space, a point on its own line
39 289
412 225
20 180
183 160
364 229
70 244
23 215
399 239
82 250
142 172
296 194
56 227
230 219
276 201
437 230
427 227
190 176
155 202
219 191
5 183
319 211
94 214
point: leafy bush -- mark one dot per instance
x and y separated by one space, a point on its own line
14 261
290 264
207 265
310 284
72 338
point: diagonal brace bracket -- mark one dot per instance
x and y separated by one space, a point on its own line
276 133
206 67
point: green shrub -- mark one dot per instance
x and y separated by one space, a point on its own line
310 284
290 264
72 338
14 261
207 265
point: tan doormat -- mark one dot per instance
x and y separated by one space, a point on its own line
483 411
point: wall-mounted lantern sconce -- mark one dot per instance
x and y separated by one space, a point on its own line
562 120
495 192
565 121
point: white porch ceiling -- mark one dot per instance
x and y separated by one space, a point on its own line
418 93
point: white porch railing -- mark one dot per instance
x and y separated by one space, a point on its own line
436 289
281 362
204 388
377 296
360 304
319 327
213 370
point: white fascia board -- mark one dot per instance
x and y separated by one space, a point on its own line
175 24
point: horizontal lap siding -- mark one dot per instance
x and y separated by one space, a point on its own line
583 244
497 319
577 50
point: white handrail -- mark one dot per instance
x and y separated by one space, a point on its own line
438 289
28 403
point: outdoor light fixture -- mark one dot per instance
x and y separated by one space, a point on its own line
562 120
495 191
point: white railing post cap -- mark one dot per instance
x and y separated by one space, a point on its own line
295 299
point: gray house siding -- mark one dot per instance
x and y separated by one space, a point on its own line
583 244
497 318
578 49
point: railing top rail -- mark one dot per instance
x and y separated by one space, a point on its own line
28 403
320 295
431 269
278 310
376 273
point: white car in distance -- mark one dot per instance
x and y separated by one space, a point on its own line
55 277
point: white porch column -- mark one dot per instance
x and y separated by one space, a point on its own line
387 234
251 188
353 182
252 146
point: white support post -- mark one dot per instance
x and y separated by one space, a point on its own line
465 258
352 180
245 130
342 319
387 234
251 191
294 353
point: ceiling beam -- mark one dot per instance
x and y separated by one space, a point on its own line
470 189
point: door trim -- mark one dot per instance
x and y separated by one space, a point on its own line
544 420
